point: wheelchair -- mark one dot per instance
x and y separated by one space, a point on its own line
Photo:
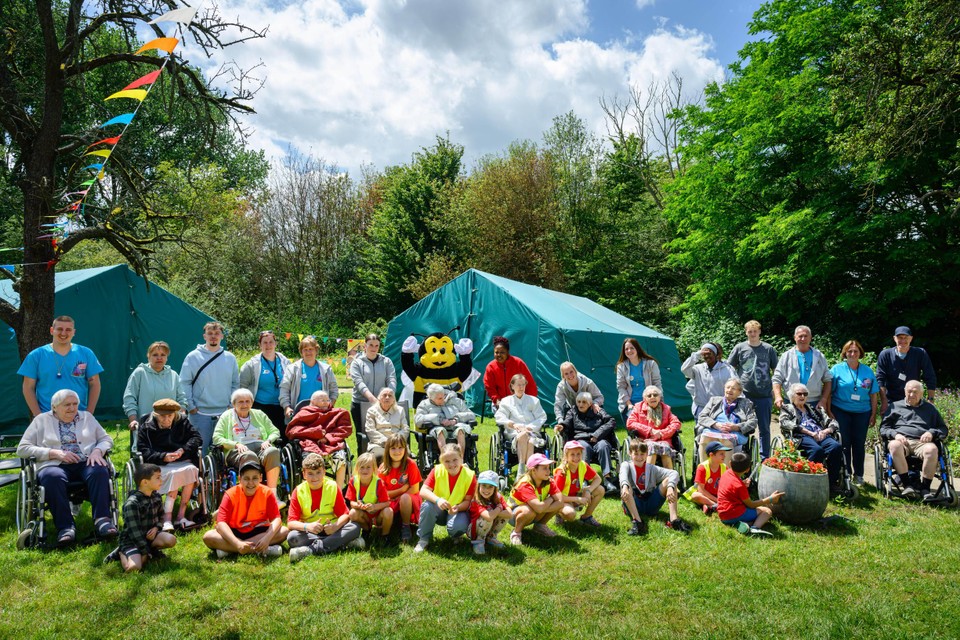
848 491
218 477
560 439
752 447
31 504
679 457
428 453
362 440
200 505
291 462
503 458
945 494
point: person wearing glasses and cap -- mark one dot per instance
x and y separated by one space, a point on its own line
706 374
896 365
305 377
262 375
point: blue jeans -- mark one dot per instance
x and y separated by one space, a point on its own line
649 505
853 429
431 515
828 450
204 424
763 408
747 516
54 480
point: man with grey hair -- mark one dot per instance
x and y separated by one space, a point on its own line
805 365
442 414
912 428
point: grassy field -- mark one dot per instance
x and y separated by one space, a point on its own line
889 571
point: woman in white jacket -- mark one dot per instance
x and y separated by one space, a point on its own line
522 418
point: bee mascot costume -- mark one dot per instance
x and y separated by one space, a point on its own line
438 362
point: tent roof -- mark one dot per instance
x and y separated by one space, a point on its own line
568 311
62 280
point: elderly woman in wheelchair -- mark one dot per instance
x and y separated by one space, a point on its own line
814 432
69 445
729 419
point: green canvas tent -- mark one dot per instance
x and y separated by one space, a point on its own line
545 328
118 317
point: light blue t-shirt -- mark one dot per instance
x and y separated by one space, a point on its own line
805 363
54 372
310 381
268 386
636 382
849 382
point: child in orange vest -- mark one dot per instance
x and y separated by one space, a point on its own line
447 493
367 495
403 479
248 520
579 485
488 513
318 518
537 498
707 479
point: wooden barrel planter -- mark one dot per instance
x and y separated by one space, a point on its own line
807 494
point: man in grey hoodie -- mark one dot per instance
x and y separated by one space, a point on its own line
208 376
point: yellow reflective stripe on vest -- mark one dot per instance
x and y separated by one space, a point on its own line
441 484
324 512
370 495
541 493
581 474
706 465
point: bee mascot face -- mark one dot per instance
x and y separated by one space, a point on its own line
438 362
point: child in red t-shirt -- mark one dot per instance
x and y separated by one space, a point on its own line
447 494
488 513
734 505
367 495
537 498
579 485
248 520
402 477
318 518
707 479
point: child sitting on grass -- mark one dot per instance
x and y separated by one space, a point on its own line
248 520
734 505
644 487
447 493
488 513
579 485
707 479
402 478
537 498
367 495
318 518
142 538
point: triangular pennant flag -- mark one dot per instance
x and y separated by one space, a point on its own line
300 335
164 44
86 183
105 153
96 166
182 15
113 140
287 335
338 340
102 174
150 78
121 119
10 268
325 338
136 94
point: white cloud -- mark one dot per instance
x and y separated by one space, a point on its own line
643 4
372 81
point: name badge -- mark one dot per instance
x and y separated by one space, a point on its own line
855 397
903 377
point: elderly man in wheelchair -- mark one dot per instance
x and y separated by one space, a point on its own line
912 428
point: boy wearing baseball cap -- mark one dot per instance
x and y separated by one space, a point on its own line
537 498
707 479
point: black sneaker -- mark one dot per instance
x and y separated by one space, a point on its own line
637 528
679 525
157 554
113 556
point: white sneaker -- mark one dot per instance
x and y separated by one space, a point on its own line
221 554
478 547
168 527
299 553
274 551
421 546
357 543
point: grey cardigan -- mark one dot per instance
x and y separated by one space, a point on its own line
651 376
290 387
371 376
714 407
788 372
565 396
250 371
652 476
43 436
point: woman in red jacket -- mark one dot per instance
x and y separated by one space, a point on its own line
653 421
497 376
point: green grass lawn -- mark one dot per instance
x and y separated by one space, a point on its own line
890 571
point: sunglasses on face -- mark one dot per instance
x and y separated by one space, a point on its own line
802 393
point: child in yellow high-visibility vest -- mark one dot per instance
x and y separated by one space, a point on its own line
318 518
367 495
707 479
488 513
537 498
447 493
580 485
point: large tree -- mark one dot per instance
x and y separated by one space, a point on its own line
58 60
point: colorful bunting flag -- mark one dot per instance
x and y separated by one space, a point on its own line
150 78
136 94
182 15
113 140
162 44
122 119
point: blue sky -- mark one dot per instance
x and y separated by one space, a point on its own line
369 82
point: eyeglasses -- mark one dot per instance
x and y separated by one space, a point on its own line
802 393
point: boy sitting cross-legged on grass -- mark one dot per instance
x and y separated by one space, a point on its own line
248 520
318 519
644 487
734 505
704 490
447 493
142 538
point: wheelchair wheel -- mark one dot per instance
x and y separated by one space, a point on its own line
126 482
25 503
680 464
556 446
211 482
880 477
494 454
695 463
776 443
